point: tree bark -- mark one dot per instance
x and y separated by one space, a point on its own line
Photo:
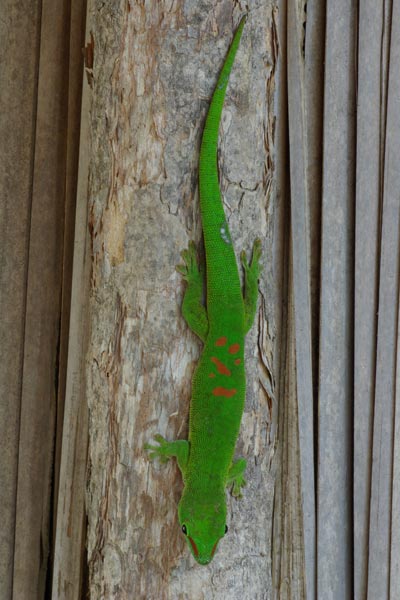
155 67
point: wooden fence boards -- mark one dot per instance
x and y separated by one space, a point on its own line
384 413
395 516
367 232
301 288
334 546
19 28
76 136
290 580
314 54
35 270
284 338
38 399
70 514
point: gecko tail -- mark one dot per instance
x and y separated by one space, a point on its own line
222 271
209 144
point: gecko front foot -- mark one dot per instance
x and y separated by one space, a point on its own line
235 477
162 451
166 450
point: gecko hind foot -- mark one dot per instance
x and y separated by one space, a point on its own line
238 484
252 269
161 451
235 477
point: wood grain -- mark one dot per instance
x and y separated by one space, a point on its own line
19 60
370 131
69 558
334 546
301 290
35 273
384 411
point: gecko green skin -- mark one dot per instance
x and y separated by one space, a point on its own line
218 386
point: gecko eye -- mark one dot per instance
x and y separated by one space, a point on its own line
184 529
226 529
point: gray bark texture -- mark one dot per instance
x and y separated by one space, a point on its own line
155 67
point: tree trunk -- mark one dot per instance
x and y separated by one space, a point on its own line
155 67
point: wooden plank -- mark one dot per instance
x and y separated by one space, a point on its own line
301 290
395 516
76 29
69 540
281 258
314 108
384 414
19 57
368 205
39 377
288 556
334 546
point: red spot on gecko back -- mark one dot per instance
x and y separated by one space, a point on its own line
221 341
221 391
238 361
220 366
212 375
234 348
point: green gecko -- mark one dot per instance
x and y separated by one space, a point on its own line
219 385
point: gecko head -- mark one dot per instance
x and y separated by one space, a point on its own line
203 523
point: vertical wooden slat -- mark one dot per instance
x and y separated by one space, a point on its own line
383 432
301 289
70 529
35 273
334 545
289 578
287 551
281 261
395 516
42 328
314 108
75 75
367 232
19 30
